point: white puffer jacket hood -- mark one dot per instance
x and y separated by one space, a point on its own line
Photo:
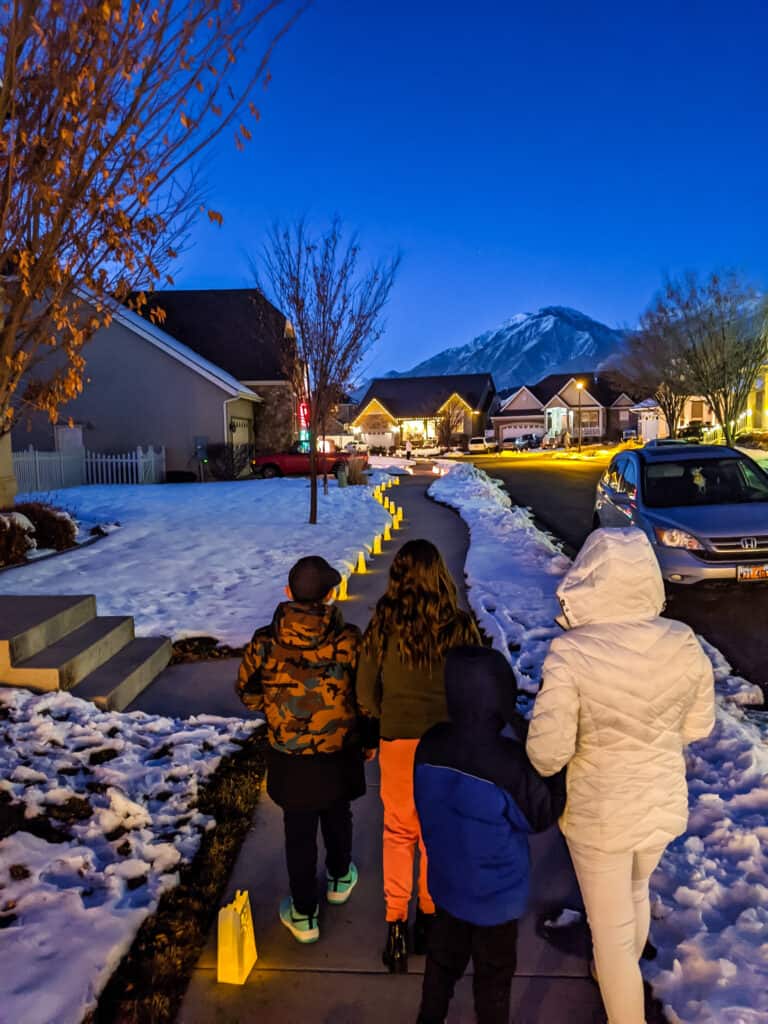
615 578
624 690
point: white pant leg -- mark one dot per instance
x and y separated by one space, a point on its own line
644 864
605 880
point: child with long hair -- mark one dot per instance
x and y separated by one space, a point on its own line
400 681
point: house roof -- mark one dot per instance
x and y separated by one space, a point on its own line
182 353
598 387
238 329
507 414
411 397
647 405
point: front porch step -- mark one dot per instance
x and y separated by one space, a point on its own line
118 681
59 643
63 664
29 624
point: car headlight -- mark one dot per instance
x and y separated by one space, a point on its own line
671 538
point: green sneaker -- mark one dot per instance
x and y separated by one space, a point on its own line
303 929
340 889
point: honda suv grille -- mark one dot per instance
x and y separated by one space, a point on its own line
736 549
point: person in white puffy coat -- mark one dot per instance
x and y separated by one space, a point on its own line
623 692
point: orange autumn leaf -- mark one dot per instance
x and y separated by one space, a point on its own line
96 90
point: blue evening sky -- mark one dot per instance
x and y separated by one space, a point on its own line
517 154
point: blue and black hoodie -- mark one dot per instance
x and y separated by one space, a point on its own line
478 796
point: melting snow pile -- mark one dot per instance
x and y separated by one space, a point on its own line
207 559
98 811
512 570
711 890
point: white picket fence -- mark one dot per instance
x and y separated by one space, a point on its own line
51 471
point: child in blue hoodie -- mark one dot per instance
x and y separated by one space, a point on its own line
478 799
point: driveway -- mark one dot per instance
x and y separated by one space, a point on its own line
561 494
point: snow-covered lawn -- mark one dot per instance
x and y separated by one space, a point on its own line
200 558
711 890
123 789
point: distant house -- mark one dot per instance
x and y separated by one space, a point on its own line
422 409
557 403
651 423
210 375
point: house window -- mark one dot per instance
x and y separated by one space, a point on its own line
697 410
590 420
413 428
623 415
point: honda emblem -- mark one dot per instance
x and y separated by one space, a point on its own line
749 543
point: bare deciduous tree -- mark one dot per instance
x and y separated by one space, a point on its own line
724 335
103 109
652 365
335 311
451 422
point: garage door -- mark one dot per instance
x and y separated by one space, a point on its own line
518 429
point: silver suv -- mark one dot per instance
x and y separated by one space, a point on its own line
704 509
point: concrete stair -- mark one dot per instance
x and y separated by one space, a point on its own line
60 643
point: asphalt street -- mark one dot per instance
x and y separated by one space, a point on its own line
561 494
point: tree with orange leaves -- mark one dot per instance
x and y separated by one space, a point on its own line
104 108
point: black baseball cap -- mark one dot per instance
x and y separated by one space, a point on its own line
312 579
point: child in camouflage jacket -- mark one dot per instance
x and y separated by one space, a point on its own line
300 672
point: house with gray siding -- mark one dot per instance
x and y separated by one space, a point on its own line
173 385
241 331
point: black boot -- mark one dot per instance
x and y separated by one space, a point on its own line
421 929
395 955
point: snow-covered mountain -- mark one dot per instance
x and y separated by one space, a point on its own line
528 346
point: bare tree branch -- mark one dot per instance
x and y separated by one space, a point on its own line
451 423
335 309
652 365
724 331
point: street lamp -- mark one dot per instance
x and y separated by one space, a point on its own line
579 388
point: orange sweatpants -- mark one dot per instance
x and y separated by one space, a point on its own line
402 834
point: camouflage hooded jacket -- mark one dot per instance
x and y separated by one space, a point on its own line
300 671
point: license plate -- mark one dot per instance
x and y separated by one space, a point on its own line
750 573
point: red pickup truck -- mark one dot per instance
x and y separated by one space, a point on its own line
296 463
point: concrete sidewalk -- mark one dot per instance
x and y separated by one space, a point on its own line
341 980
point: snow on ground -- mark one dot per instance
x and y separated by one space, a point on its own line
69 910
711 890
390 463
512 569
758 454
396 464
201 558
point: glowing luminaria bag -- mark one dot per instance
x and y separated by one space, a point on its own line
237 944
